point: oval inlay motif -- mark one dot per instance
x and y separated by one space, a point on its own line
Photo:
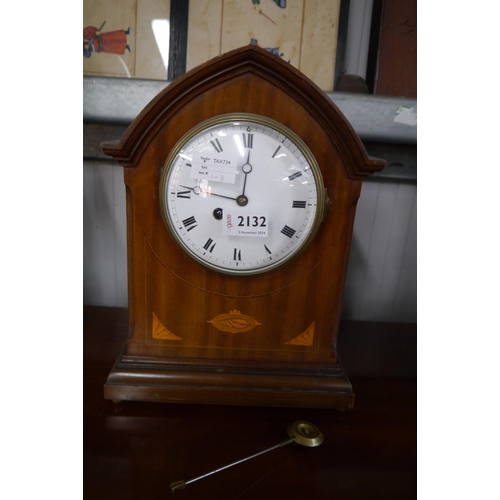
234 322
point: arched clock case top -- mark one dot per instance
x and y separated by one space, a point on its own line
249 318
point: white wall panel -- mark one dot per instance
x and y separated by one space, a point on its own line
104 235
358 36
381 279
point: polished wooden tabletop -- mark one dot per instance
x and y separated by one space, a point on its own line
135 450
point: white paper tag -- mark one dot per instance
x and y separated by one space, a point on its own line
406 115
211 167
245 223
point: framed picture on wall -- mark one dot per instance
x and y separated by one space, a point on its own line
129 38
302 33
158 39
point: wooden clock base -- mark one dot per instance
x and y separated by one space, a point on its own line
230 383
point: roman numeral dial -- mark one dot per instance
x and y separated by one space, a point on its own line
216 144
248 140
189 223
294 176
184 194
241 195
209 245
288 231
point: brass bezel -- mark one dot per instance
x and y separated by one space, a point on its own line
322 198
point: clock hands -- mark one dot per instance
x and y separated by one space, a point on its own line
220 196
197 191
246 168
241 200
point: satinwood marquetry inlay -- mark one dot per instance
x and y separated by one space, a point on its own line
234 322
306 338
160 331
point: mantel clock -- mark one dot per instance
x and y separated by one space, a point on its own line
242 179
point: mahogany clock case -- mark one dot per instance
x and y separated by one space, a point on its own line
204 337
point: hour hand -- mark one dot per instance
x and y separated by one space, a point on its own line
197 191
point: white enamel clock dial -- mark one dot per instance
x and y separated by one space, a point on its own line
242 194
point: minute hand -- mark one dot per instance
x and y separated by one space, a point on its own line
246 169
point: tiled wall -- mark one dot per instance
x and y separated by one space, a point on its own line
134 41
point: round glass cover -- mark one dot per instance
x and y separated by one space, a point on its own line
242 194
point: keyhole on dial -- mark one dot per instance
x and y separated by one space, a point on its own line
217 213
